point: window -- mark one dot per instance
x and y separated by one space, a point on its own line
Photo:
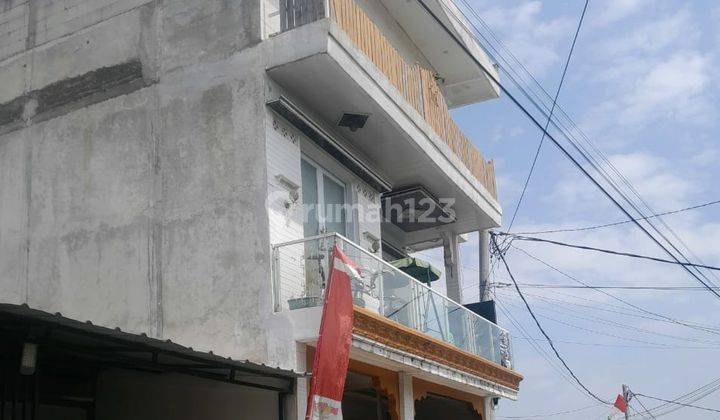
323 197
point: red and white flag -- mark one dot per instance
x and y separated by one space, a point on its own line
332 354
620 403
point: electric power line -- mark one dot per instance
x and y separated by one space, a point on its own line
622 222
577 164
609 251
598 332
541 351
547 124
603 308
588 156
575 286
628 346
605 321
678 403
558 413
689 397
562 303
643 406
623 301
542 330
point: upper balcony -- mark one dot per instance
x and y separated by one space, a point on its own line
392 309
399 69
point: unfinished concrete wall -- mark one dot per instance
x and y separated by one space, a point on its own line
132 167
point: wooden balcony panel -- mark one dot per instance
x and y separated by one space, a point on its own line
416 84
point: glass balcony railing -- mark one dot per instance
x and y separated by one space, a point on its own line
301 272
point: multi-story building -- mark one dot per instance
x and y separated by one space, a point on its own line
181 169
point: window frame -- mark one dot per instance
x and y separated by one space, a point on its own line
321 172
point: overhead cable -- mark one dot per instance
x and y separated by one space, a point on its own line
547 124
612 252
542 330
621 222
567 154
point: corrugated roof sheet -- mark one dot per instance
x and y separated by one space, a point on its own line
171 351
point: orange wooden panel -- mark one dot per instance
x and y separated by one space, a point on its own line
416 84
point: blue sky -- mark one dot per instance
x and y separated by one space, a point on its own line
643 84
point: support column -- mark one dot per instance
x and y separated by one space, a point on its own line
407 398
452 273
489 408
486 292
303 384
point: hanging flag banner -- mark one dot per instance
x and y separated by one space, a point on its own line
332 354
620 403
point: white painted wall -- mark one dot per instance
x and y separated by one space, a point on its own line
285 148
285 216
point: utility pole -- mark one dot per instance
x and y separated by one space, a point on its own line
452 266
485 291
626 395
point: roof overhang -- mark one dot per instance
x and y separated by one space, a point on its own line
462 81
61 340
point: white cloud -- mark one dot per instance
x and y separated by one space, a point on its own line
675 87
654 70
611 11
651 36
664 184
501 132
655 179
533 39
649 69
707 155
716 15
574 201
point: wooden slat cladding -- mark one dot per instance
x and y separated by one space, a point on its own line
417 84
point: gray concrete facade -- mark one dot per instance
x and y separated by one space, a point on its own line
138 159
132 167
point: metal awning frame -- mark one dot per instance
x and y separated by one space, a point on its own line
93 345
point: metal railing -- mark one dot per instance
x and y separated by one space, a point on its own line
300 275
414 82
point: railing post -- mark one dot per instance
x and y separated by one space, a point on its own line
274 283
424 310
326 9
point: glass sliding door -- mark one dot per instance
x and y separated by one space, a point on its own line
323 196
310 199
333 205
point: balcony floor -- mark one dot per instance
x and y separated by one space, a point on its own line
374 348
